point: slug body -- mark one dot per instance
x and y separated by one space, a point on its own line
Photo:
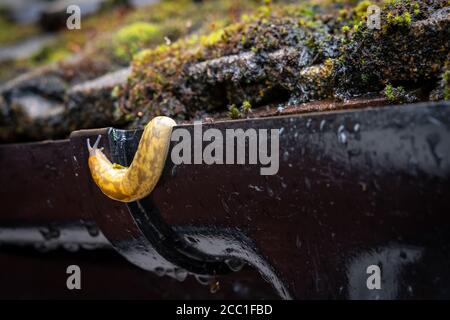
135 182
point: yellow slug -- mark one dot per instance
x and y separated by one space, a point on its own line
135 182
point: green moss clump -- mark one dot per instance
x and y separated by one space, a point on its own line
192 60
10 32
416 8
132 38
234 112
49 54
402 20
173 79
400 13
389 92
345 28
360 9
395 53
395 94
246 107
446 80
115 92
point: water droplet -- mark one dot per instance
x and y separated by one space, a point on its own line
235 264
191 239
203 279
91 228
266 277
214 286
49 203
160 272
298 242
363 186
181 274
71 247
45 247
435 121
256 188
433 140
307 183
410 290
342 136
270 192
322 124
50 232
90 246
174 170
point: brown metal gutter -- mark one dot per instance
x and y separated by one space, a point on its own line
354 188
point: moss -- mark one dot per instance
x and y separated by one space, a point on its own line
49 54
234 112
161 75
446 83
389 92
264 11
416 8
246 107
115 92
307 11
395 94
132 38
395 53
447 86
365 78
11 33
400 13
402 20
97 38
221 57
214 37
360 9
345 28
313 30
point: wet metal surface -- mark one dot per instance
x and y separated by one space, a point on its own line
105 275
354 189
149 224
